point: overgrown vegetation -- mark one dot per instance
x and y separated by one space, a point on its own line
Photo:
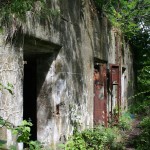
11 12
22 131
129 16
142 142
125 121
16 8
141 108
132 17
14 13
98 138
141 101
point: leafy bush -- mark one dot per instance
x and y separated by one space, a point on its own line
143 142
23 134
141 107
22 131
125 121
98 138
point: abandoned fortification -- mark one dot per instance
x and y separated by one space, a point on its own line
74 67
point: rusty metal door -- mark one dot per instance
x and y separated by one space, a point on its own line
115 88
100 94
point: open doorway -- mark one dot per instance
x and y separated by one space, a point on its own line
30 94
38 57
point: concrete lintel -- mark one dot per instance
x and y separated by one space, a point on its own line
33 45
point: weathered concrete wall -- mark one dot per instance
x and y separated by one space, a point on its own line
120 53
68 81
70 42
11 71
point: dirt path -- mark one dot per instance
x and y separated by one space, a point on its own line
132 134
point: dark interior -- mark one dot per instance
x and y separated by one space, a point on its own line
96 67
29 94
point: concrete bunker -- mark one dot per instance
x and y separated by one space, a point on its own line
38 57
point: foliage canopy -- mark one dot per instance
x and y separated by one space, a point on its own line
129 15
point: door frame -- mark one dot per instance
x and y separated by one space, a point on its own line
115 80
101 106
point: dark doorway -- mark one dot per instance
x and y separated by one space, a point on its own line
29 94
